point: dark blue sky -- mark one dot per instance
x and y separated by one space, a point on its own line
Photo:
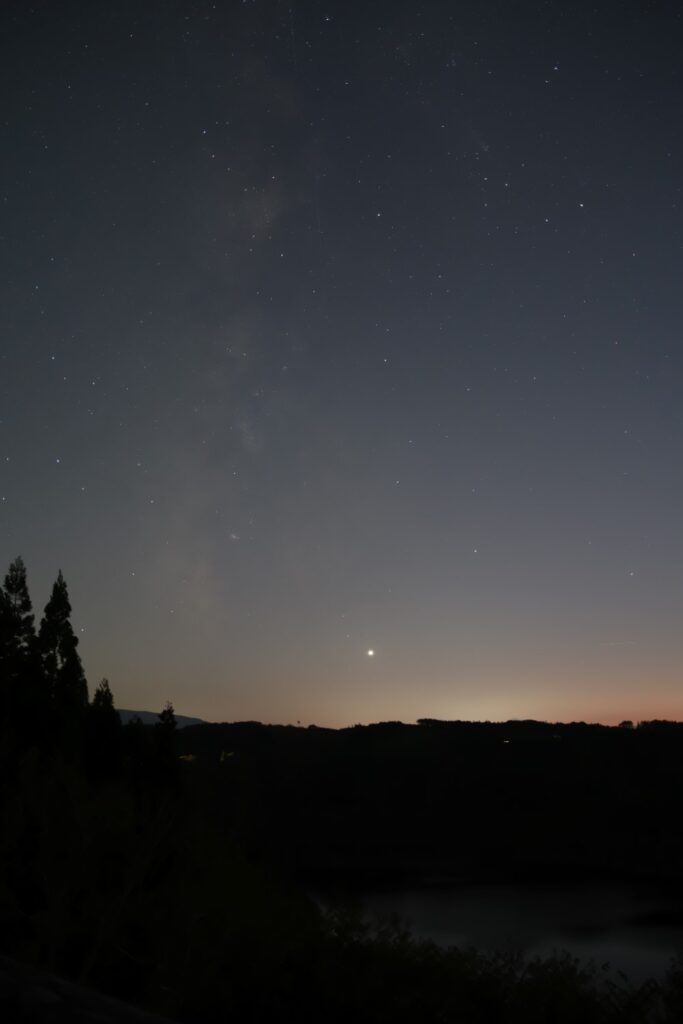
341 327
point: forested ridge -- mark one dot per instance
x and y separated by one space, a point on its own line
170 868
457 800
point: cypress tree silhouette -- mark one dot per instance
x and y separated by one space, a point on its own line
8 654
7 639
19 662
20 607
58 649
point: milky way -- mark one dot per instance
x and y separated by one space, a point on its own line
331 329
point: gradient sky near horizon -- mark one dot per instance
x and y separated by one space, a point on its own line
337 327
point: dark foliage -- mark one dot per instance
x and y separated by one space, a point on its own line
58 650
19 606
22 693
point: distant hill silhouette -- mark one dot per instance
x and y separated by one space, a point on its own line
460 801
152 717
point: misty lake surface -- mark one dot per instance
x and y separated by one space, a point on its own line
634 930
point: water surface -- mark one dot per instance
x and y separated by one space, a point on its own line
633 930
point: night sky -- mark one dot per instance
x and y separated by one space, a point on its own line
331 328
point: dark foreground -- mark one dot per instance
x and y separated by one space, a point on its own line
170 869
28 994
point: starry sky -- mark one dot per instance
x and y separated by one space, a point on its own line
338 327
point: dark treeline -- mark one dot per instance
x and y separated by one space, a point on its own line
165 866
44 700
507 801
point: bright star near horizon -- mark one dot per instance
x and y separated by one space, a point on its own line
371 654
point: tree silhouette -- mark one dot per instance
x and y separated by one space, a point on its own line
7 655
165 741
23 695
104 741
167 719
58 649
103 699
19 606
16 622
7 641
